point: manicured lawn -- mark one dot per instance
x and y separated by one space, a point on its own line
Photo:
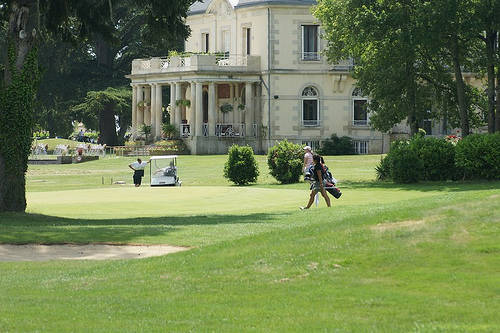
386 257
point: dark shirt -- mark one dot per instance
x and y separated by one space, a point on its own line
318 167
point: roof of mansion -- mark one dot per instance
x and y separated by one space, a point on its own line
201 7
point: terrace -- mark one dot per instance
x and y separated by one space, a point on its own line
197 62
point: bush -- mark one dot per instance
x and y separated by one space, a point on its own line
285 162
478 156
241 167
383 169
437 156
406 166
337 146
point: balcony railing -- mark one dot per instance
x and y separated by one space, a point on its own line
360 122
197 62
230 130
310 123
344 65
185 130
311 56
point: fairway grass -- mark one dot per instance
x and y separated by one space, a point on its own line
384 258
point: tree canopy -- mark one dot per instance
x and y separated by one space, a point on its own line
99 32
410 56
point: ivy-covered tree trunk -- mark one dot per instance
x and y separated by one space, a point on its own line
17 96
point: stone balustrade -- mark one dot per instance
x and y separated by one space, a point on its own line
197 62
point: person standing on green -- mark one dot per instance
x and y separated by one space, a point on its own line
138 168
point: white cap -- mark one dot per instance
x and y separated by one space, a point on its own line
307 148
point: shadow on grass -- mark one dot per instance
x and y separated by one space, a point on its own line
39 220
22 228
443 186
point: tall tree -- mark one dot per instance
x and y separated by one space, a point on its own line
107 107
19 88
488 31
382 38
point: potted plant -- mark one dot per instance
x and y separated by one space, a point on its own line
226 107
169 130
241 106
146 130
183 102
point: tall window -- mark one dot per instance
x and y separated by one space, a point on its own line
360 147
360 108
205 46
310 42
246 41
310 107
226 42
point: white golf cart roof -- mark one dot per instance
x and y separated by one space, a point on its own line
163 157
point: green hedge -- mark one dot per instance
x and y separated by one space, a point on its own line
474 157
478 156
337 146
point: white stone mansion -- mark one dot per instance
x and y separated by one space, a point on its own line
258 76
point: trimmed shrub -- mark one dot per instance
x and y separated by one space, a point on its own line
437 156
241 167
285 162
478 156
406 166
337 146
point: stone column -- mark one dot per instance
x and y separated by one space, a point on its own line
159 111
140 110
192 110
249 109
152 113
134 110
173 108
147 111
211 109
178 110
199 109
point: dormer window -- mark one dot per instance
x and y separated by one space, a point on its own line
310 42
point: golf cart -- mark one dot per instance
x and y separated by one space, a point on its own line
163 171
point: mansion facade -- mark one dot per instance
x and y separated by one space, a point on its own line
255 76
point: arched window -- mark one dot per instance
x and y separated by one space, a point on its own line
310 107
360 108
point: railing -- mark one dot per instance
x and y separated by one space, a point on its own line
185 130
360 122
227 59
185 62
344 65
221 61
311 56
310 122
205 129
164 63
230 130
254 130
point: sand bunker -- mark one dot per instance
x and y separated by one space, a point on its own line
34 252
